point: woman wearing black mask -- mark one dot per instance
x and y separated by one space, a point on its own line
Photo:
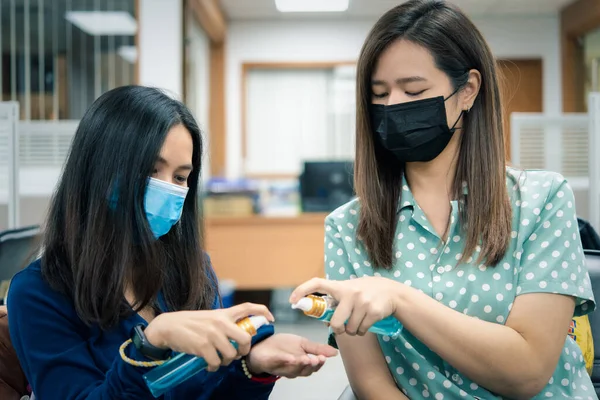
481 263
123 279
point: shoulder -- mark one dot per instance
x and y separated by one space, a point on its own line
344 215
536 188
29 278
30 293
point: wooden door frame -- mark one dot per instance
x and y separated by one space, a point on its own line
507 127
576 20
211 18
249 66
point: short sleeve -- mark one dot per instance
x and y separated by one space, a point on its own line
337 264
552 260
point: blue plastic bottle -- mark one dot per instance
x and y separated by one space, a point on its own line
183 366
322 308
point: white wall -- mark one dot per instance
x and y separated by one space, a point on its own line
270 41
161 45
339 40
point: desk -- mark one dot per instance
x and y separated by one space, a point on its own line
266 252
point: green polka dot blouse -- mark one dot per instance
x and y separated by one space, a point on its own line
544 256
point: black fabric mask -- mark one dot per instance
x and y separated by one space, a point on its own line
413 131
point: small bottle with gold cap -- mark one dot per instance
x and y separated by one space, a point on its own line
183 366
322 308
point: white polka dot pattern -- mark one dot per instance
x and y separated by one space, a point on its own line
544 256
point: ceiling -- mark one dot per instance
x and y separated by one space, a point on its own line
53 15
371 9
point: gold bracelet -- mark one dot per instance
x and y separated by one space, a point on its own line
135 363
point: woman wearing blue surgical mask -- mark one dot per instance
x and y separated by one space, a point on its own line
123 280
481 263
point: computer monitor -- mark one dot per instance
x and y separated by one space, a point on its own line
326 185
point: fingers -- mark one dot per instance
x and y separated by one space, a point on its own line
242 338
354 322
243 310
318 349
318 368
367 322
227 351
314 364
209 353
304 365
306 371
340 316
315 285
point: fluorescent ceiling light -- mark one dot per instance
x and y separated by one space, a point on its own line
103 23
312 5
128 53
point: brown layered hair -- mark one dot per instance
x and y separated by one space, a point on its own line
457 46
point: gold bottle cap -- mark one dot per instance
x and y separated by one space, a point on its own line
251 324
319 306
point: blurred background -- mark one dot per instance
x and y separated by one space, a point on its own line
272 84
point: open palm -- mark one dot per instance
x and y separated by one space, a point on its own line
289 356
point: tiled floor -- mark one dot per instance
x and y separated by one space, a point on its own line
327 384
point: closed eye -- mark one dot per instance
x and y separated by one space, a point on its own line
414 94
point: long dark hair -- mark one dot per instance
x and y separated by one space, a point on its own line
97 239
457 46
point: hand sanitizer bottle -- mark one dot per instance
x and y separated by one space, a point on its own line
322 308
183 366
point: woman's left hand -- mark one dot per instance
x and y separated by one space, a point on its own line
288 355
362 301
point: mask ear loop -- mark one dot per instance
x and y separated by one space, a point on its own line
462 112
453 93
454 128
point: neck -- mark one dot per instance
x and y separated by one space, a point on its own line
129 295
436 176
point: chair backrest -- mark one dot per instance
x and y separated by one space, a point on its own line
347 394
592 260
13 384
16 250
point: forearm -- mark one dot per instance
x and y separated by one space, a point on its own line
375 387
492 355
386 392
366 368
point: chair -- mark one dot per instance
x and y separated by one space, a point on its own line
347 394
13 384
592 260
16 250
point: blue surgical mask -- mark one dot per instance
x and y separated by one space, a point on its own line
163 203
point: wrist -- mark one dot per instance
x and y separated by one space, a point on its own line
253 368
402 300
264 378
156 335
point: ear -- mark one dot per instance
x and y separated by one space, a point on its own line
470 90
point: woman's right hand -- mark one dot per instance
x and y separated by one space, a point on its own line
204 333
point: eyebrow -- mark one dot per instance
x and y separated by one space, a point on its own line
187 167
400 81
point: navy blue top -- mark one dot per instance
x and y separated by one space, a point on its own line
65 359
